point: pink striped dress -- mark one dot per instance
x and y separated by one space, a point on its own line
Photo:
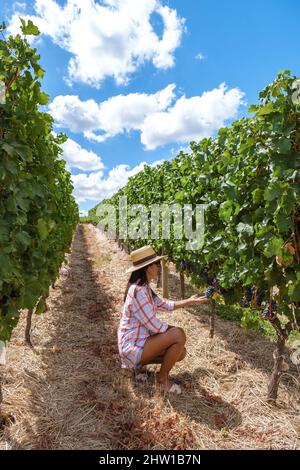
138 322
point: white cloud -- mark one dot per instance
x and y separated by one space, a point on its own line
191 118
158 117
94 187
72 113
111 39
111 117
78 157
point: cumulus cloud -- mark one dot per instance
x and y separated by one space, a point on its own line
78 157
159 117
95 187
72 113
191 118
111 117
107 39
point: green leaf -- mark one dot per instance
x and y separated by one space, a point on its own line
257 195
41 306
284 145
274 191
253 108
5 265
42 229
38 71
9 149
267 109
43 98
273 247
225 210
23 238
30 28
283 222
294 292
179 196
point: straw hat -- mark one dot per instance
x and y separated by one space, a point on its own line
142 257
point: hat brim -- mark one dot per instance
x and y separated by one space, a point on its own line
135 268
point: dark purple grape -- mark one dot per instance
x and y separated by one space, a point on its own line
209 292
244 302
248 293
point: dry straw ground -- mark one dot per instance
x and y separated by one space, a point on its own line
69 392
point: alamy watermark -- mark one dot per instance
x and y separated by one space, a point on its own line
158 221
296 92
295 355
2 92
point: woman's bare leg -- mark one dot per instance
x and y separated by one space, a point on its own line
159 359
172 343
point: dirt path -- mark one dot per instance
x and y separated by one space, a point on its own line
69 392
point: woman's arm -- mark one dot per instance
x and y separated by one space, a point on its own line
192 300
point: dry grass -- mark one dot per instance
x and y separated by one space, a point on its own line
69 392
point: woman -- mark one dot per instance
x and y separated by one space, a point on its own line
142 337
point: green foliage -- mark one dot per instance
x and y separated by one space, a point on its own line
37 210
248 177
89 219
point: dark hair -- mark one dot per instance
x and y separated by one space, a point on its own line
141 275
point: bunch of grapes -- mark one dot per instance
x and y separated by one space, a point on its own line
249 292
249 296
267 313
209 292
244 303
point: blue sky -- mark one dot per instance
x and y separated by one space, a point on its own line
133 81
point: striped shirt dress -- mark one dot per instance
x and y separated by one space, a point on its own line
138 322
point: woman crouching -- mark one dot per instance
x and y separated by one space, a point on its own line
142 337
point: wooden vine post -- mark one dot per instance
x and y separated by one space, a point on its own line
212 318
2 363
282 333
164 274
158 283
28 328
282 336
182 286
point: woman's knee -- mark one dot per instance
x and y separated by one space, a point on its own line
179 334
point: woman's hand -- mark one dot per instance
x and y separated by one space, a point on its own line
195 299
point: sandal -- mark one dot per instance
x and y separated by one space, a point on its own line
175 388
169 388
